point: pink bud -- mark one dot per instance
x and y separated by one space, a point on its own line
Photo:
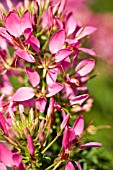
30 145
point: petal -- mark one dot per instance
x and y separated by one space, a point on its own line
72 134
69 166
3 123
79 125
70 24
25 55
57 41
85 67
17 159
51 76
88 51
26 21
59 23
5 155
78 165
82 32
4 34
65 140
65 64
91 144
2 166
54 89
79 99
23 93
12 24
33 76
35 44
62 54
41 104
65 121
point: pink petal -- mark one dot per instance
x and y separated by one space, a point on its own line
41 104
82 32
79 125
35 44
33 76
30 145
5 155
65 121
51 76
78 165
85 67
59 23
50 17
65 64
25 55
2 166
71 41
3 123
70 24
65 140
54 89
78 99
88 51
57 41
72 134
62 6
4 34
26 21
12 24
23 93
17 159
62 54
28 103
91 144
27 35
69 166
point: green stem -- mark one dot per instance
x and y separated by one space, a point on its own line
57 165
51 166
58 134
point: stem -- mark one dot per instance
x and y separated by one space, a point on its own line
13 68
51 166
57 165
58 134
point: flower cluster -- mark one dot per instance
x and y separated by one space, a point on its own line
43 79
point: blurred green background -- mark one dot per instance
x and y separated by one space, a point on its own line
101 88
